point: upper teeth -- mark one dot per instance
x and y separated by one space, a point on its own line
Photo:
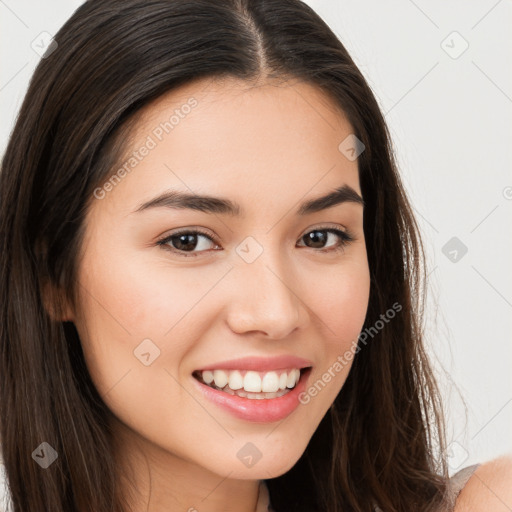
255 382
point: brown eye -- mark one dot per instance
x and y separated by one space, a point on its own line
194 242
318 238
186 242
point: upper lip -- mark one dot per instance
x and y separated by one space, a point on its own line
260 364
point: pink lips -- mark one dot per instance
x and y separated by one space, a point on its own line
260 364
264 411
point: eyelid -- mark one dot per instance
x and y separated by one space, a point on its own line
188 229
209 234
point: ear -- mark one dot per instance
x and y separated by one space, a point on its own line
55 303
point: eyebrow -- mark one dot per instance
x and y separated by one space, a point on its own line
218 205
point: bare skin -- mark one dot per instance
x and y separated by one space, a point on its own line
489 488
268 148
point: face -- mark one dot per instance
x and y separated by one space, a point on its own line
167 289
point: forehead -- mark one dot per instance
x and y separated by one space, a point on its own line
234 139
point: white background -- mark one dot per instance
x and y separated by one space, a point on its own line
450 119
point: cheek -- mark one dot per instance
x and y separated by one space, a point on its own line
126 310
139 299
339 302
127 301
340 299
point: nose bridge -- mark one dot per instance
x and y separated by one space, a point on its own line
265 299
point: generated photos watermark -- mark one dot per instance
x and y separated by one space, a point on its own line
157 135
344 359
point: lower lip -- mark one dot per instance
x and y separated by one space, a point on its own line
264 410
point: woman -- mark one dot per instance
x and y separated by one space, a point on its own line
211 276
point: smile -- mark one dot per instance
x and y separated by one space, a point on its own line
251 400
251 384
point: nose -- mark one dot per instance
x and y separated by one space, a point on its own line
265 298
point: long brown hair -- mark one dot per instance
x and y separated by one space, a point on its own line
382 442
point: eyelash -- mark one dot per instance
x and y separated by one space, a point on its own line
345 238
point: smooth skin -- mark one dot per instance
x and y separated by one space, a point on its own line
269 148
489 488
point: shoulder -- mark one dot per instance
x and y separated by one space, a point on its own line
489 488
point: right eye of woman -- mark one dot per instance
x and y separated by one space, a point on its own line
184 238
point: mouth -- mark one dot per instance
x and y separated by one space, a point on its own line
251 384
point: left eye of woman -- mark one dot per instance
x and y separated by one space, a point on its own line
186 241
